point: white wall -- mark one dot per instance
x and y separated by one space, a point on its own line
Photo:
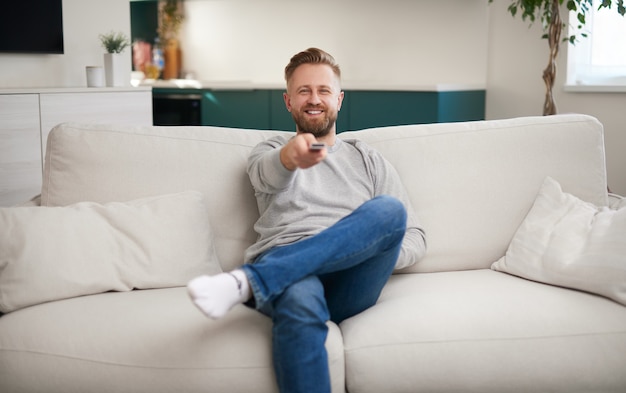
392 41
83 22
517 58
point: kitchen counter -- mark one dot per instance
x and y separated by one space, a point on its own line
79 89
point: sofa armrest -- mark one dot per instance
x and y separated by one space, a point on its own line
616 201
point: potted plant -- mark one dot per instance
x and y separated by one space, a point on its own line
114 43
549 13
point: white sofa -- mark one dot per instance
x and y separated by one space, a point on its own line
448 324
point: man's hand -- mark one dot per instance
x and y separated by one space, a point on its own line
296 153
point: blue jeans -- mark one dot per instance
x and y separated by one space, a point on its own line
333 275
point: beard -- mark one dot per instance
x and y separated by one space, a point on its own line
318 127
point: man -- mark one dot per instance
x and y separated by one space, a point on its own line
333 226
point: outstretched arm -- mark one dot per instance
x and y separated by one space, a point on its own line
273 163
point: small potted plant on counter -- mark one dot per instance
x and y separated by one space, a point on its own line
114 43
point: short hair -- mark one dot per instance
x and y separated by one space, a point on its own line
311 56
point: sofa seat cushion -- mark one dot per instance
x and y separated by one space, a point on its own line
485 331
141 341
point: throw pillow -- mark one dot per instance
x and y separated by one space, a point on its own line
52 253
570 243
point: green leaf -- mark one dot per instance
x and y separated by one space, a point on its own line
571 5
533 10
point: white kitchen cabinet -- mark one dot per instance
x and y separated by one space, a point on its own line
28 115
20 148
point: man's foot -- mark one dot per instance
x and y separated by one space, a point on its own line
216 295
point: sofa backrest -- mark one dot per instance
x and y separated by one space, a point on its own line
105 163
470 183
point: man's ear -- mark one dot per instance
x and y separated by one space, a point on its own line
287 101
340 100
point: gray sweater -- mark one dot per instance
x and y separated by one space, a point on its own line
297 204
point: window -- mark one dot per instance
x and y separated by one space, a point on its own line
600 58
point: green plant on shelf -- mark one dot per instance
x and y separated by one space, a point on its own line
114 42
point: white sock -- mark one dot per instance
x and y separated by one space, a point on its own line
216 295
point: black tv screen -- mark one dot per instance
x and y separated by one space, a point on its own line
31 26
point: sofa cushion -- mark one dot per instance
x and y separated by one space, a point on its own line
565 241
150 341
472 183
106 163
485 331
51 253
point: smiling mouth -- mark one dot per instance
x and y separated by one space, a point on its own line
314 110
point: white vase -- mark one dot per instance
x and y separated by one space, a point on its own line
114 69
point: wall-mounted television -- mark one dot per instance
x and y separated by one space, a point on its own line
31 26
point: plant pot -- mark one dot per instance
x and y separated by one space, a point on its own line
114 69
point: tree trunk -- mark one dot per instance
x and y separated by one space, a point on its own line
549 74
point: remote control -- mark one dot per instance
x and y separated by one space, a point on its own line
317 146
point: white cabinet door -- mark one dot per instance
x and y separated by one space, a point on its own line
27 118
126 107
20 148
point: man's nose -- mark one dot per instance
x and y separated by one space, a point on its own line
314 98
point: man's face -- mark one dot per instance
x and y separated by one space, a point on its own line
314 98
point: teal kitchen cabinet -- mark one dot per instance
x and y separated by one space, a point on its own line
265 108
388 108
236 108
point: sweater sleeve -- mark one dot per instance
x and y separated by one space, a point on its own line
267 174
387 182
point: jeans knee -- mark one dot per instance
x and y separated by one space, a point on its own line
390 211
